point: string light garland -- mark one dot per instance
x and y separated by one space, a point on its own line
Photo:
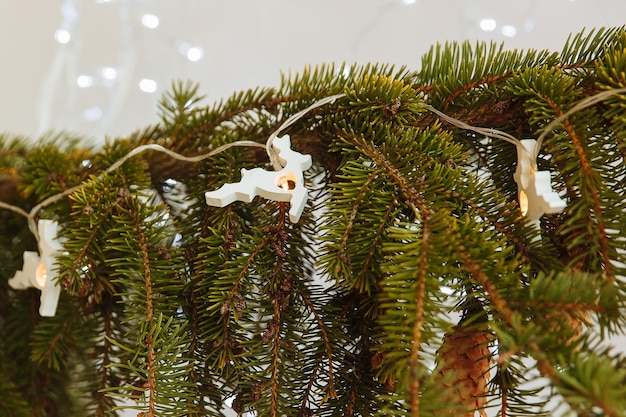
535 194
271 152
489 132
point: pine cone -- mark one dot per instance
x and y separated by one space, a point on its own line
463 365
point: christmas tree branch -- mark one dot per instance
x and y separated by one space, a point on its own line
523 249
105 365
149 311
342 254
420 295
331 393
589 182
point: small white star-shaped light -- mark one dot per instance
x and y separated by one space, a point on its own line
36 271
286 184
534 188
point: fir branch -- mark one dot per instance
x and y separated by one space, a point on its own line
106 361
504 309
405 186
501 304
422 213
54 341
378 234
225 298
145 257
246 268
589 173
360 375
471 86
264 102
583 49
277 235
331 393
524 250
191 309
80 199
274 378
48 355
356 201
420 295
556 306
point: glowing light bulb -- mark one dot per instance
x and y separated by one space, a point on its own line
84 81
40 275
523 202
488 25
509 31
150 21
108 73
195 53
148 85
287 181
62 36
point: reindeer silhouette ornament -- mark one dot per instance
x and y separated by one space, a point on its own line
534 188
286 184
37 271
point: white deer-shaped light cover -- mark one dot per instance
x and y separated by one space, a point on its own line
286 184
37 269
534 188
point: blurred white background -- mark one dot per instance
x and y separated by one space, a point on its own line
98 67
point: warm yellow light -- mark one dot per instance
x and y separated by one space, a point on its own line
287 182
523 202
41 275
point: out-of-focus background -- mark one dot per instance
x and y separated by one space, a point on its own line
98 67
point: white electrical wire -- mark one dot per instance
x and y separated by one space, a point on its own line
291 120
32 224
582 104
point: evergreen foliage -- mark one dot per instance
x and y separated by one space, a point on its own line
412 236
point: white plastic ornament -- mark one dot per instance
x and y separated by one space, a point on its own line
37 268
286 184
534 188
